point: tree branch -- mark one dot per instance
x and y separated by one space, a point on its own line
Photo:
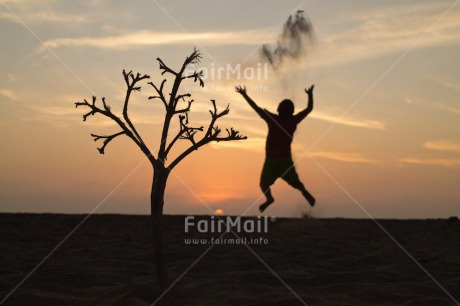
212 134
185 110
182 97
132 86
184 129
214 116
165 68
196 77
194 58
108 113
92 106
160 93
232 135
107 140
190 133
173 98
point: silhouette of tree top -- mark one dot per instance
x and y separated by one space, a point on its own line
211 133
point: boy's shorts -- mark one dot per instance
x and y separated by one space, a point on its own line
278 168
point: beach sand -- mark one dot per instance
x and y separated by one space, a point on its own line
107 261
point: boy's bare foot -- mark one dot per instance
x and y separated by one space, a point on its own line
311 200
266 204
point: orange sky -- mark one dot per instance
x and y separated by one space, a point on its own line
383 140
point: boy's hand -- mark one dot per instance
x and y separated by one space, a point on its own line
309 91
240 89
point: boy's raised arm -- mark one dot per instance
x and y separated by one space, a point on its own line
301 115
259 111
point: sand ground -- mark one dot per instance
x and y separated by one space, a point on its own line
107 261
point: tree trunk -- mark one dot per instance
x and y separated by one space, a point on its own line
160 177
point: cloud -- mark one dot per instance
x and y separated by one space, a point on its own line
8 16
443 145
439 145
380 32
45 17
449 108
362 123
58 110
8 94
443 82
23 1
68 115
345 157
409 101
12 77
445 162
50 11
252 143
144 38
61 117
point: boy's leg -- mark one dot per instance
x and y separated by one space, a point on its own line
306 194
292 178
267 178
268 193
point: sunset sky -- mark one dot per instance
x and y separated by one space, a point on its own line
383 140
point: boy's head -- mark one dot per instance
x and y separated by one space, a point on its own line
286 108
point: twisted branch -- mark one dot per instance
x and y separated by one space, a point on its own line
193 58
212 133
174 98
184 110
165 68
160 93
232 135
132 86
182 97
106 111
107 140
196 76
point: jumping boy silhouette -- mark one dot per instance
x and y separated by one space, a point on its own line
278 159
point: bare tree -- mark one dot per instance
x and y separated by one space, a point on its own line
161 171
